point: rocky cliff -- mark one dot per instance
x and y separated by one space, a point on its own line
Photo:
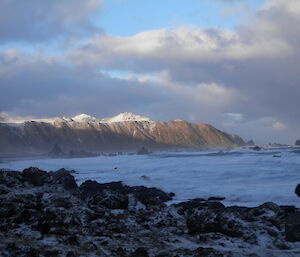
120 133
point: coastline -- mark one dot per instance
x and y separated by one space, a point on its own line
47 214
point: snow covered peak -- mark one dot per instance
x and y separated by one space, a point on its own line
126 116
5 118
83 118
122 117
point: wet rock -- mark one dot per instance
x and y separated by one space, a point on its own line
3 190
198 203
207 221
150 196
92 187
292 227
140 252
65 178
201 251
215 198
190 205
297 190
256 148
41 215
36 176
110 200
147 196
11 179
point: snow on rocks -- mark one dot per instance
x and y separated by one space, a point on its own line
122 117
83 118
47 214
126 116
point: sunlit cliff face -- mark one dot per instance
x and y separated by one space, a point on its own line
123 132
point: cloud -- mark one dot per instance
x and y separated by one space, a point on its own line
166 49
259 60
237 78
36 21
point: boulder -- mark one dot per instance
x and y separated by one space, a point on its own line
11 178
292 227
65 178
147 196
150 196
110 200
140 252
36 176
297 190
93 187
256 148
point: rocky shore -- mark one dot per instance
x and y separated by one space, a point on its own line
48 214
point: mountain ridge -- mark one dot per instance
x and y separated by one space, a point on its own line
124 132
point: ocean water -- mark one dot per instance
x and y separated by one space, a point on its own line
243 176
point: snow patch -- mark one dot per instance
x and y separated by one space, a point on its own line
122 117
84 118
126 116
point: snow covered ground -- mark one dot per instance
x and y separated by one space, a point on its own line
244 176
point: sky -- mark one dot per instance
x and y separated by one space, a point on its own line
230 63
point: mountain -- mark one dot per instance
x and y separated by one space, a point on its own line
125 131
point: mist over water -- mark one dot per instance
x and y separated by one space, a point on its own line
245 177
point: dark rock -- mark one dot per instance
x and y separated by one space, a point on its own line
93 187
121 252
292 227
200 251
143 151
198 203
36 176
215 205
41 216
276 155
150 196
216 198
11 178
297 143
287 209
256 148
65 178
297 190
110 200
43 227
190 205
51 253
71 254
140 252
208 221
3 190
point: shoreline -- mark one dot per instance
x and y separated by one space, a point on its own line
48 214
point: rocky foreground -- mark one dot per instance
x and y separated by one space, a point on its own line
47 214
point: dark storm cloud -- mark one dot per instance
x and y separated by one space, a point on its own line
36 20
